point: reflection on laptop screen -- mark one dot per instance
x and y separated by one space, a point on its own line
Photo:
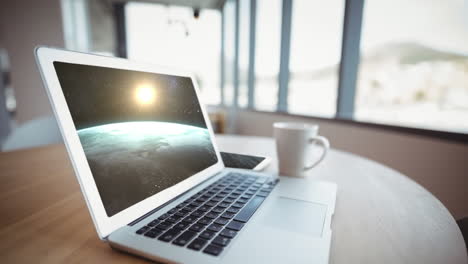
141 132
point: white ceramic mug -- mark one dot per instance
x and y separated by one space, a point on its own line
294 147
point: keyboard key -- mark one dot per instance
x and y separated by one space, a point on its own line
154 222
169 235
163 216
197 227
207 234
246 196
217 210
195 204
221 221
212 215
235 225
240 189
221 241
211 203
182 225
242 200
238 205
204 208
228 233
183 239
217 228
190 207
229 200
216 199
143 230
213 250
163 225
189 219
197 244
224 204
205 221
249 209
197 214
153 233
201 200
172 211
228 215
172 219
182 212
233 210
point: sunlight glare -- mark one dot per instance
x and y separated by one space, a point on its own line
145 94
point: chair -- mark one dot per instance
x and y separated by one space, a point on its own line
34 133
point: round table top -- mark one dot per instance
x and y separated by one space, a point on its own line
381 216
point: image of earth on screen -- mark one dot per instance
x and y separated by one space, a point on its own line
141 132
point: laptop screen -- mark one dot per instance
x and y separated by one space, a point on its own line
141 132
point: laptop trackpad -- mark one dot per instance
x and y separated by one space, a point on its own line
299 216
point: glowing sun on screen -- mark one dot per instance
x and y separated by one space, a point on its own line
145 94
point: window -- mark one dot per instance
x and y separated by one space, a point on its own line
229 13
172 36
316 32
414 64
244 30
267 53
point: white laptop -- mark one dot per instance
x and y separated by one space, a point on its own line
152 176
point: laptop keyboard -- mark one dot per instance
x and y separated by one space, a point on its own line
208 220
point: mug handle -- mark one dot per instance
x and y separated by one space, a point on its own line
322 141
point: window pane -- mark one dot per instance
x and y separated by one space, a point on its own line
414 64
316 32
267 53
244 30
171 36
229 38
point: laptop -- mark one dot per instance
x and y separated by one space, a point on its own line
146 159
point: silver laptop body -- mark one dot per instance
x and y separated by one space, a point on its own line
138 136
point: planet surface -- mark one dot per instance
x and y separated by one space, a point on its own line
132 161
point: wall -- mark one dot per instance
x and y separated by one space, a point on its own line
23 25
440 166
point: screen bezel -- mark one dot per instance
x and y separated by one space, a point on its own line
45 57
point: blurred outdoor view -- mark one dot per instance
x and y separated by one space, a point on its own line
414 64
413 69
317 28
172 36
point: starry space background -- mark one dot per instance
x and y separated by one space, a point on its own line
99 95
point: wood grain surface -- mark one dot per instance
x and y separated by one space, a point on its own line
381 216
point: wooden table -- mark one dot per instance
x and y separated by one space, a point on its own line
381 216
